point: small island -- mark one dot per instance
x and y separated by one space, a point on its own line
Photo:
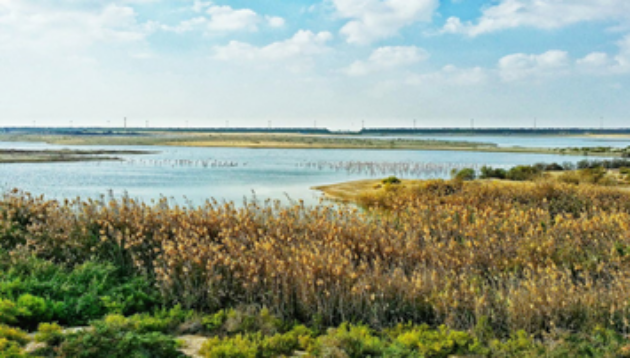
9 156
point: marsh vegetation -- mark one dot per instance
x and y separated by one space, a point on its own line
429 268
63 155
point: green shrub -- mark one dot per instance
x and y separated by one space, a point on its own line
353 341
425 342
300 337
235 347
258 345
248 320
14 335
523 173
9 312
391 180
49 333
27 312
37 291
597 175
11 349
32 310
466 174
518 345
163 321
215 322
492 173
111 340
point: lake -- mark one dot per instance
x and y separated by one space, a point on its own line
195 174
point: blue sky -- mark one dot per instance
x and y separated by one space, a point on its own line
334 62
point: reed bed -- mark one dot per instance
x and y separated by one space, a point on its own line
378 169
183 163
531 256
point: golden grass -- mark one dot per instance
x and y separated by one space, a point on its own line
533 256
353 190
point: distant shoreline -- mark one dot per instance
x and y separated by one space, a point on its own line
370 131
19 156
300 141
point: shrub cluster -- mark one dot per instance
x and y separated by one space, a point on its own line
33 290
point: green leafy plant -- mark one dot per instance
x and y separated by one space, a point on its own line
391 180
107 339
353 341
523 173
465 174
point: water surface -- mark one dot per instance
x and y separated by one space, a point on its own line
195 174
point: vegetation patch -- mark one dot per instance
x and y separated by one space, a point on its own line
428 269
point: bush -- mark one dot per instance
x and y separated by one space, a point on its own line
11 349
349 340
490 173
391 180
465 174
236 347
424 342
111 340
163 321
258 345
215 322
9 312
14 335
32 310
249 320
49 333
27 312
523 173
597 175
37 291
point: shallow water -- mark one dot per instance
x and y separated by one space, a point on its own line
196 174
528 141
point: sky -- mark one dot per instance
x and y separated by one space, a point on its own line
338 64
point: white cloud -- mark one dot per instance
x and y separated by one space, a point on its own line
595 59
451 75
225 18
387 58
200 6
623 58
602 63
275 21
522 66
542 14
372 20
595 63
222 19
302 44
184 26
44 28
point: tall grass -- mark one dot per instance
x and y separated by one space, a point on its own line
532 256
